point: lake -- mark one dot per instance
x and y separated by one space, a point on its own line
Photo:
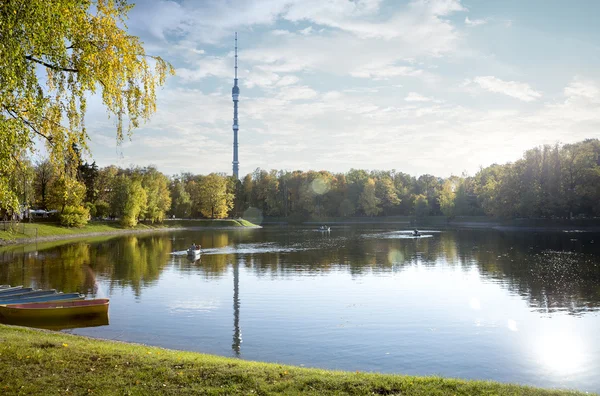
517 307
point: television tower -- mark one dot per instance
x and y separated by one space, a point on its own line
235 92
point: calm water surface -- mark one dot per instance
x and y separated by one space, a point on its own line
506 306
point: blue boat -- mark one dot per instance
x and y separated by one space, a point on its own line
7 288
16 290
50 298
28 294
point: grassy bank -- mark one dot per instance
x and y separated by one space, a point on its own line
27 231
35 362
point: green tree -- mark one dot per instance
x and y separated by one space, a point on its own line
368 201
135 204
53 55
386 193
44 172
64 192
181 203
157 192
88 174
215 199
421 206
447 196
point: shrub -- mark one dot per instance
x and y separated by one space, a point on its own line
74 216
102 209
91 208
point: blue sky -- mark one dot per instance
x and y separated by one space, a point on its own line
422 86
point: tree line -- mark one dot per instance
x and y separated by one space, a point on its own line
547 182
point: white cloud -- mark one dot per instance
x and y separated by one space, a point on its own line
280 32
415 97
583 89
287 80
297 93
306 31
521 91
205 67
475 22
382 71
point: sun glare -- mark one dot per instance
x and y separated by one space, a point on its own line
560 352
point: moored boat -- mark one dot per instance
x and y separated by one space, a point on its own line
54 310
28 294
48 298
14 291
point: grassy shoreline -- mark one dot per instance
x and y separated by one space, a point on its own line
58 363
43 232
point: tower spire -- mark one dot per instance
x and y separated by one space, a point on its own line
235 92
236 55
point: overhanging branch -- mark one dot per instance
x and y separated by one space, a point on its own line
48 65
14 114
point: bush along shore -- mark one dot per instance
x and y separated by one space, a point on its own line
37 361
39 232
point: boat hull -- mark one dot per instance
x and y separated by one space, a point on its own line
54 310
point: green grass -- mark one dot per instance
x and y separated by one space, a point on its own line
31 230
38 362
208 223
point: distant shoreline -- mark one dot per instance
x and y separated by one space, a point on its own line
442 222
117 231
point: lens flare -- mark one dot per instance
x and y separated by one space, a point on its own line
319 186
253 215
395 256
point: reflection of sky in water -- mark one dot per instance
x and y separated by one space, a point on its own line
193 305
249 248
472 304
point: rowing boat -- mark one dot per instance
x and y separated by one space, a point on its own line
7 288
14 291
27 294
55 310
49 298
193 252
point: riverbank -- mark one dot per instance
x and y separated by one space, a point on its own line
24 233
36 361
443 222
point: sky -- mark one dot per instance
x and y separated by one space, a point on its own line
423 86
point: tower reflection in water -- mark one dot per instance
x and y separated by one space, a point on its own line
237 333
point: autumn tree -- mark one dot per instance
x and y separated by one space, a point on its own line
448 195
368 200
44 172
54 55
181 203
158 196
215 199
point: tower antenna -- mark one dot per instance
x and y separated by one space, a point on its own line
235 93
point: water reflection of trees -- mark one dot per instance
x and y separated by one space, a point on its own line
128 261
551 271
132 261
